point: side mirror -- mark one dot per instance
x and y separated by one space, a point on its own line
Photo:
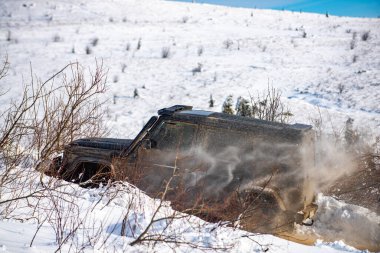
146 144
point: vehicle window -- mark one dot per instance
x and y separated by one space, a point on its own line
216 140
173 135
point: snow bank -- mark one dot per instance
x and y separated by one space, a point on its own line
336 220
97 215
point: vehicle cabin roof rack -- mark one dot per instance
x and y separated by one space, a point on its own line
173 109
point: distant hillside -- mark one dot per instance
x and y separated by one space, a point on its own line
154 46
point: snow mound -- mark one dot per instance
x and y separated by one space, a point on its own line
336 220
112 217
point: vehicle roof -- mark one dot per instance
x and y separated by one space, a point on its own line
187 113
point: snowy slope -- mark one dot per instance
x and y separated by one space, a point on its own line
98 213
315 61
268 47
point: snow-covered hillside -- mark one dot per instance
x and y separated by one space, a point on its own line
179 53
314 60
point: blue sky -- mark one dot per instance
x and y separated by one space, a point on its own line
353 8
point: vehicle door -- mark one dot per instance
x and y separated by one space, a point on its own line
164 154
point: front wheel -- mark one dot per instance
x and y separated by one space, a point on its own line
89 174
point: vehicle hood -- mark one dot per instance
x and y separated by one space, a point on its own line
103 143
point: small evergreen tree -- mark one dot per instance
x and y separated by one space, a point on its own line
135 93
88 50
138 44
227 105
243 107
211 101
350 134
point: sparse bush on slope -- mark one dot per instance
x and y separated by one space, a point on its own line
135 93
200 50
165 52
266 106
197 69
95 42
57 38
365 36
138 47
47 117
228 43
88 50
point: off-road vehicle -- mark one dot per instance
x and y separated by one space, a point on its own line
220 166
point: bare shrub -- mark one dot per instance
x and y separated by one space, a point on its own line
94 42
47 117
185 19
293 42
197 69
317 124
353 40
165 52
88 50
269 106
138 47
123 67
354 58
266 106
228 43
4 68
64 216
144 235
60 209
341 88
365 36
57 38
352 44
200 50
9 35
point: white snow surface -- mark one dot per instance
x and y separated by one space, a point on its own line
322 65
268 47
98 214
336 219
